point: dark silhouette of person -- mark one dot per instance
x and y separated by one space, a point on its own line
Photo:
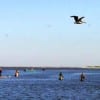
61 77
16 73
82 77
0 71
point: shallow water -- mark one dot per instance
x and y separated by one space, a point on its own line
44 85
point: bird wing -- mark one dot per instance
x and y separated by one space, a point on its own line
81 18
75 18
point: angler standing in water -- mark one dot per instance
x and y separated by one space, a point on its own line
61 77
16 73
82 77
0 72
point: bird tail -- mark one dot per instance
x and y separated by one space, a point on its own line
83 22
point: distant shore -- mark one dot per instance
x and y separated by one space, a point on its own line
40 68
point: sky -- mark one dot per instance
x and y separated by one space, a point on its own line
41 33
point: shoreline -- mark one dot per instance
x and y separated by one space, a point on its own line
50 68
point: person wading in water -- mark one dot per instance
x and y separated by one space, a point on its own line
0 72
82 77
16 73
61 77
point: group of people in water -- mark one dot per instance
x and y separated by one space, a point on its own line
61 77
82 76
16 73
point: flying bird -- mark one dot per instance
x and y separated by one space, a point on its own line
78 20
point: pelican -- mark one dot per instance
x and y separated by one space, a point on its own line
78 20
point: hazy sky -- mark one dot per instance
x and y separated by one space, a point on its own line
41 33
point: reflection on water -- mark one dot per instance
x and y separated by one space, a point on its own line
44 85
